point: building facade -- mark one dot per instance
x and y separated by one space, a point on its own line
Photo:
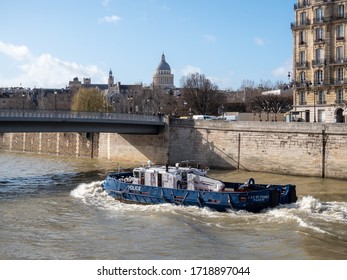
319 75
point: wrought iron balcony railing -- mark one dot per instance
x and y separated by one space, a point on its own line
318 62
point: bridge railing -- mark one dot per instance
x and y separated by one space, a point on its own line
8 113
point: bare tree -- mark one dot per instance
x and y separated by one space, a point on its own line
201 95
271 104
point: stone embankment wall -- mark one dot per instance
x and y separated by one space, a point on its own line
305 149
135 149
308 149
66 144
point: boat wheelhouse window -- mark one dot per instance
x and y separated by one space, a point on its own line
184 176
136 174
160 180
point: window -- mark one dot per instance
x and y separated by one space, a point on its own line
319 15
321 97
302 37
319 56
339 96
318 77
340 33
302 98
302 58
302 77
303 19
341 11
339 54
339 75
319 34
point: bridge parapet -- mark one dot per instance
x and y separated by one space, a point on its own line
42 114
67 121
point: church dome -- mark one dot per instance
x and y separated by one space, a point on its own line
163 65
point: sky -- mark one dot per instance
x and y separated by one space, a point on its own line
48 43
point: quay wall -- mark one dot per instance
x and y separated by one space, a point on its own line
65 144
135 149
307 149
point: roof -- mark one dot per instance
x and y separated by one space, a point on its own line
163 65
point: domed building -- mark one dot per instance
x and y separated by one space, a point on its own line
163 76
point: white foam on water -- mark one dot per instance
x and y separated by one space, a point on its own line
307 212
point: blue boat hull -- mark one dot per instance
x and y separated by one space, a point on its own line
260 198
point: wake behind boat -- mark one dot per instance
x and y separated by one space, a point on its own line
189 186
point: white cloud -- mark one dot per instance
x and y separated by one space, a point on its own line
281 72
210 38
105 2
259 41
221 82
13 51
189 69
109 19
45 70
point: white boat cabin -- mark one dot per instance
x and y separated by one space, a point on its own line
176 178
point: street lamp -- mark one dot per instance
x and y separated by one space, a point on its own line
308 84
23 95
314 106
221 111
55 100
129 99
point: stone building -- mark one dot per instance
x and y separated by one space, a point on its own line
163 77
319 75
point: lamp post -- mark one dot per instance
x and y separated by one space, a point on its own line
55 100
291 85
308 84
221 111
23 96
130 98
314 106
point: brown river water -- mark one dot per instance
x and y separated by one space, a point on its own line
54 208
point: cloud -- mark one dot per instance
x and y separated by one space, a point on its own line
15 52
189 69
282 71
109 19
259 41
210 38
221 82
45 70
105 2
279 71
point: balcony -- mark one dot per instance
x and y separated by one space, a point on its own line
318 20
318 62
340 39
302 102
321 102
300 24
341 17
338 61
303 4
338 82
319 83
302 64
319 41
340 102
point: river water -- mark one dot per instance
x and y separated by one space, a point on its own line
54 208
